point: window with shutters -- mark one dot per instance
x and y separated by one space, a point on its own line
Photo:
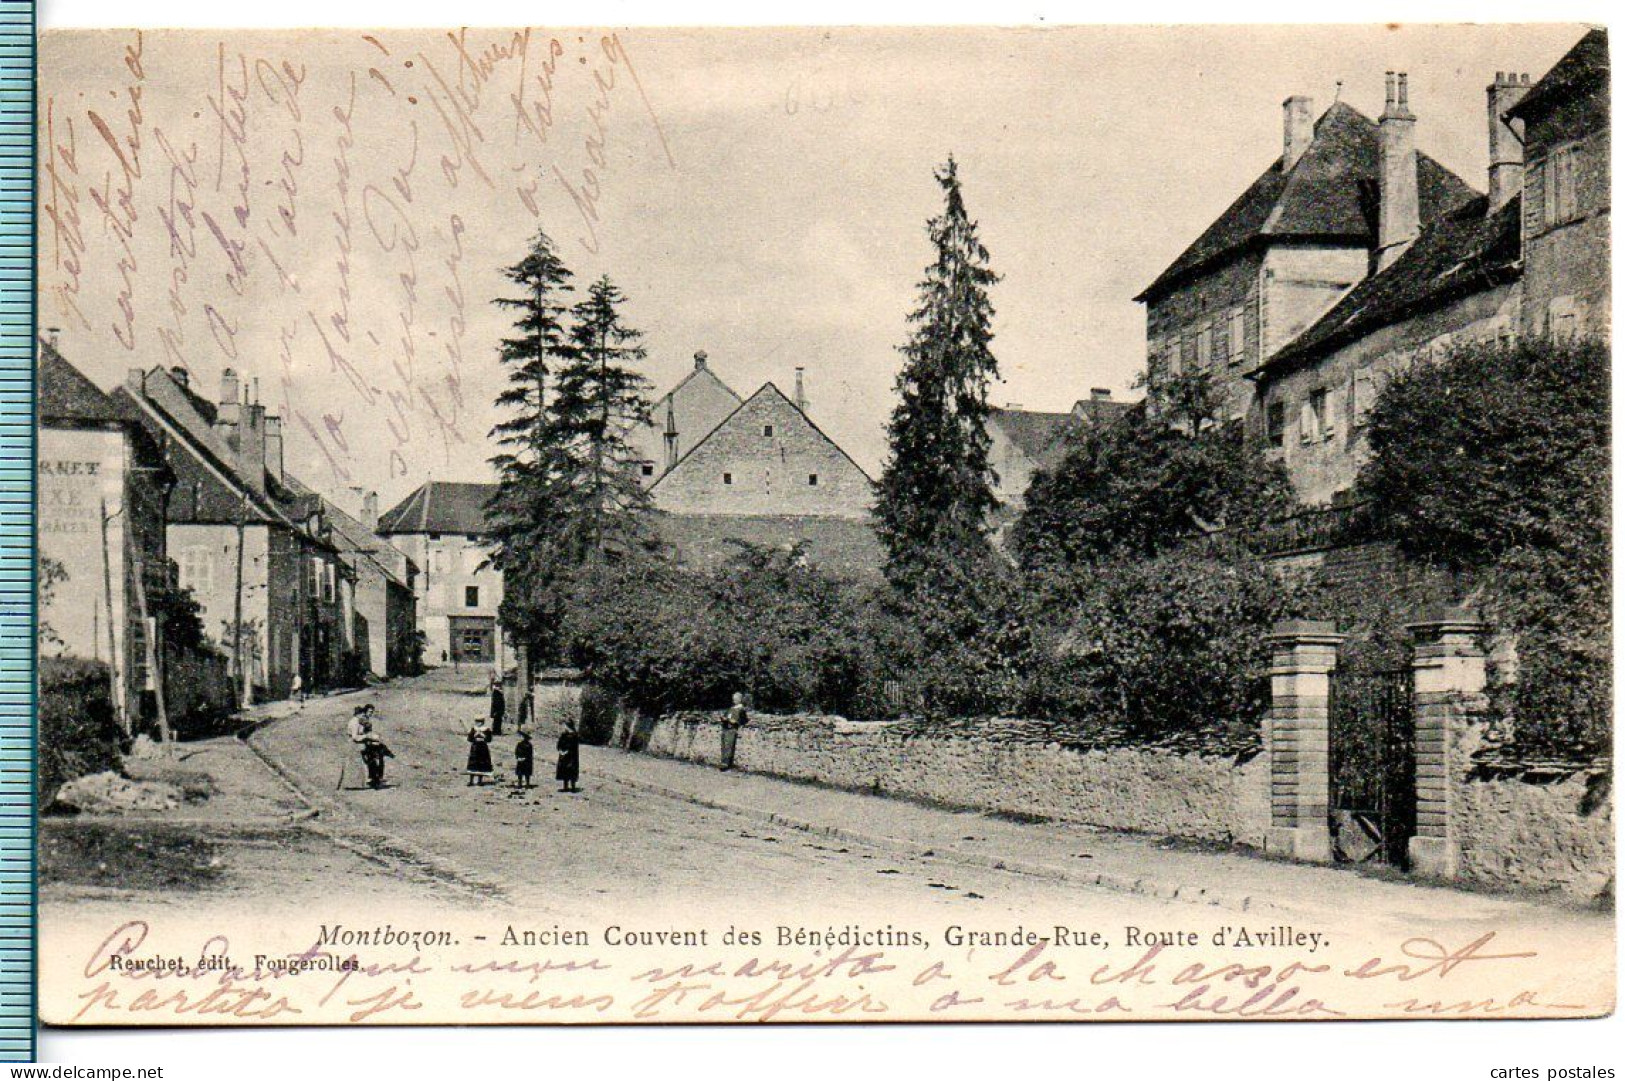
1562 203
1277 424
1238 334
1204 348
1320 404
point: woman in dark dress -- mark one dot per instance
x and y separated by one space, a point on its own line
479 752
569 770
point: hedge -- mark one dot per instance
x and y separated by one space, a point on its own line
78 730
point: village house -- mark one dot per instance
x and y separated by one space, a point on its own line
1023 441
768 476
102 487
441 528
257 556
1291 246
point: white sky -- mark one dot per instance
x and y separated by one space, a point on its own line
765 203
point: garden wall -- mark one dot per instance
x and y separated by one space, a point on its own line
998 766
1526 826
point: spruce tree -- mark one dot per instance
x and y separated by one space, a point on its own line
936 492
599 398
520 514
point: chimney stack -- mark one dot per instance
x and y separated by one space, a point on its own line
1298 128
1506 142
273 449
1100 394
181 376
231 409
251 446
1398 213
699 361
801 390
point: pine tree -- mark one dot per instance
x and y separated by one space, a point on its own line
522 510
937 490
598 400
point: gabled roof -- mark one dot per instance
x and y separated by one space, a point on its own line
165 407
1099 410
349 534
766 390
1460 254
440 506
1040 436
1328 195
65 395
1582 69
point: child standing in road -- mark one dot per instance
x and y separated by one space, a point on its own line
524 758
479 752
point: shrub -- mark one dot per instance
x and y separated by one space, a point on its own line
599 710
1494 462
1170 650
78 731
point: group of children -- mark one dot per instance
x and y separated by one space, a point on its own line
480 769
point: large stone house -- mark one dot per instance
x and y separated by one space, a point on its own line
1292 245
1530 256
257 555
441 528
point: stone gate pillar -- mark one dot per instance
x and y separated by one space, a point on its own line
1449 679
1295 736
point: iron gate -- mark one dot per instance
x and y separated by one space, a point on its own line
1372 745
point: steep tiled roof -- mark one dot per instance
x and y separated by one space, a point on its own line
1330 194
66 395
1455 256
440 506
1582 68
349 535
1040 436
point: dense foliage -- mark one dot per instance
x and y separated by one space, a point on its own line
1145 483
1494 462
1166 650
936 491
664 638
78 732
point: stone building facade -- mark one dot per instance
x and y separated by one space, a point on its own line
1291 246
686 414
766 458
440 527
1566 194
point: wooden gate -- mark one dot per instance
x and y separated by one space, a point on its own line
1372 745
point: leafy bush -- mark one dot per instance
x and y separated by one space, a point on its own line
1143 484
598 712
766 624
78 731
1494 462
1168 650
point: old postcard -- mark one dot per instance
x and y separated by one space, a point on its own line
575 526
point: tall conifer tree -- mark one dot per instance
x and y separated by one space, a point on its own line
521 512
937 490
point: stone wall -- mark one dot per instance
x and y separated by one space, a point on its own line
1149 791
1524 828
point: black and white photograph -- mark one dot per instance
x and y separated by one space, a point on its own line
703 525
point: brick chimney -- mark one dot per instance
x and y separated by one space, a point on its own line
699 361
251 446
273 447
801 390
1298 128
1100 394
1506 142
1398 214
